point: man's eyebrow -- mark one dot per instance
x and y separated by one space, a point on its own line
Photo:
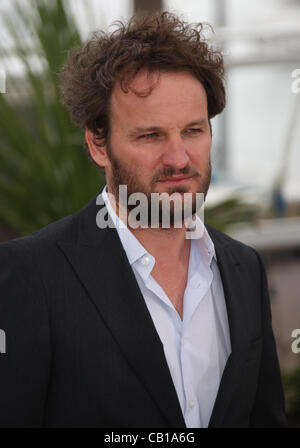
200 122
143 130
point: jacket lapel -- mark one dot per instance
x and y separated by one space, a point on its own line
236 291
99 260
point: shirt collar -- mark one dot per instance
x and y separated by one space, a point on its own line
135 250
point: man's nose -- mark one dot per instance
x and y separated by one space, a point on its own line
175 153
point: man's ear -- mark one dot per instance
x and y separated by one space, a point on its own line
98 153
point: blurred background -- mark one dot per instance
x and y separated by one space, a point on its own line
255 190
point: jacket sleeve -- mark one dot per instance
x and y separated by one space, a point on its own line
26 352
269 407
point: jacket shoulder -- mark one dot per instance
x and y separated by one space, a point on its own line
48 234
64 228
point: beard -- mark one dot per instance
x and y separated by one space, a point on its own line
121 174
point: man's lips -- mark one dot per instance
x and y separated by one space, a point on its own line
175 179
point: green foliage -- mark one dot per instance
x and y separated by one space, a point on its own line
291 383
44 172
229 211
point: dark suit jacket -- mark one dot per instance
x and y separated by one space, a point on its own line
82 349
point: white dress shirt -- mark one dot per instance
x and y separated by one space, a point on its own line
197 346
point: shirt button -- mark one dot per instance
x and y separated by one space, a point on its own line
183 341
145 261
191 404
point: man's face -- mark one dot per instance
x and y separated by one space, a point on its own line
159 142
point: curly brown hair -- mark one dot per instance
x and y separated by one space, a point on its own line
155 41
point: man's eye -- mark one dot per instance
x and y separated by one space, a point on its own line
194 131
148 136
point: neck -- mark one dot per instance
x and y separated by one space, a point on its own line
164 243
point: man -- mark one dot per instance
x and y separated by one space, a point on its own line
120 325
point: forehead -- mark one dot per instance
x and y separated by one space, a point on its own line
158 98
